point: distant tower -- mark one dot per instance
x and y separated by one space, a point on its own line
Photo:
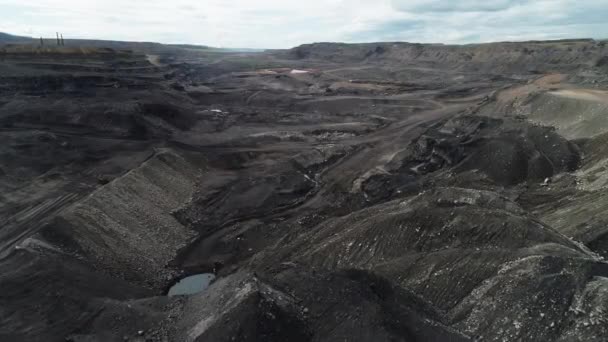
41 42
62 41
58 42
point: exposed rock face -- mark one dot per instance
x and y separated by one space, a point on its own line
499 265
508 57
383 192
508 151
126 227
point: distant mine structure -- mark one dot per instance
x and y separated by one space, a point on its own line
59 38
60 41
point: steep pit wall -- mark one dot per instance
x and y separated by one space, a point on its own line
126 227
576 114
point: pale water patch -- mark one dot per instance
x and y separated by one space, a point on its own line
190 285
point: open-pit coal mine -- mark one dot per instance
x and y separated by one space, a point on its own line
329 192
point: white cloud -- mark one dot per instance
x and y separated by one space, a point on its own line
450 6
286 23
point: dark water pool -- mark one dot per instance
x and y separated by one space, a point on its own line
191 284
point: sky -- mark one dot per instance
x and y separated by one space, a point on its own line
288 23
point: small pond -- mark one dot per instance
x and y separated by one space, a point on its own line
191 284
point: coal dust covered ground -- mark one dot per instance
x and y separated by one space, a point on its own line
330 192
